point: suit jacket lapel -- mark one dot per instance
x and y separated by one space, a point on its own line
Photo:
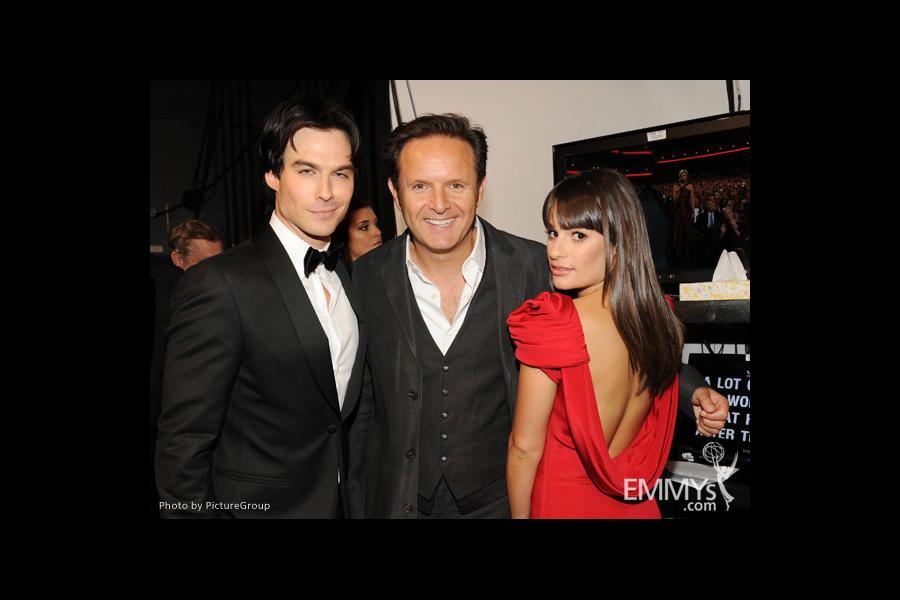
342 274
509 277
302 314
396 281
359 362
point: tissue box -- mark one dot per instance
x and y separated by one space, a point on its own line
715 290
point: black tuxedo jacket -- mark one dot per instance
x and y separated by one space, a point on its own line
250 423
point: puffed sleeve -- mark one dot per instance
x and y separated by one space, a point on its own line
548 334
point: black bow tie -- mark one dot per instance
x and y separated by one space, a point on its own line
314 257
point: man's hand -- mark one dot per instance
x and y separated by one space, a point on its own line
710 411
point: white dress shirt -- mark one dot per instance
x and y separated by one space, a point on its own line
428 296
336 316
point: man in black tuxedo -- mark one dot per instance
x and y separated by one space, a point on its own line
265 357
431 435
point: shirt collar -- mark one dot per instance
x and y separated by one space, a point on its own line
477 258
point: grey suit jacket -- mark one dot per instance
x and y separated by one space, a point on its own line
387 423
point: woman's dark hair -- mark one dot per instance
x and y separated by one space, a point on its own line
341 235
606 202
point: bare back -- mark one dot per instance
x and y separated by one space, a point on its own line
622 410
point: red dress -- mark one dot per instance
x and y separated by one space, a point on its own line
576 477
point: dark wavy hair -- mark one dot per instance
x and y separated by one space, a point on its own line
296 113
341 235
448 125
606 202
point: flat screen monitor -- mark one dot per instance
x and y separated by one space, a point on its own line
693 178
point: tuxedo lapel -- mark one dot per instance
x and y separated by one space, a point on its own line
356 375
396 282
509 277
303 317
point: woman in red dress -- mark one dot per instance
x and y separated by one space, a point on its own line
598 385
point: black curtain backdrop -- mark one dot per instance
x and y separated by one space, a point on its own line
205 157
368 101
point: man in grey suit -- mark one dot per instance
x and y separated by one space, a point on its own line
431 433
